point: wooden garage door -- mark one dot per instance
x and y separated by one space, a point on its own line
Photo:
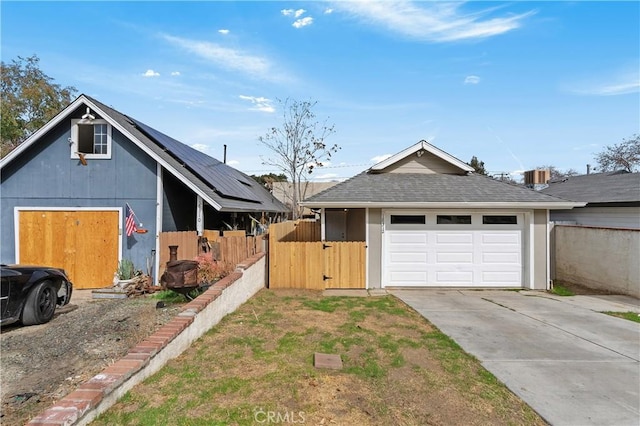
83 243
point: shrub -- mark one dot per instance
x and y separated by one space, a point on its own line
126 269
211 270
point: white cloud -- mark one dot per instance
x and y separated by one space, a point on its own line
380 158
328 11
326 177
223 31
225 57
260 104
611 89
471 79
621 82
430 21
151 73
175 73
233 162
299 23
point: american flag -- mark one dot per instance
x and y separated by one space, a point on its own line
130 222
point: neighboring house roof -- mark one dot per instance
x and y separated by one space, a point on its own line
283 190
598 188
408 189
221 186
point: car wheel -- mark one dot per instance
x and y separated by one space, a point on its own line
40 305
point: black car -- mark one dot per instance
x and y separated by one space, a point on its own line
30 294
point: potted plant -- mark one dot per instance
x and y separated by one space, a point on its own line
125 273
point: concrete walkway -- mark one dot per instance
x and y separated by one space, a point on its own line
569 362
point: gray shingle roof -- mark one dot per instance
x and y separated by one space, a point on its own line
228 187
433 188
611 187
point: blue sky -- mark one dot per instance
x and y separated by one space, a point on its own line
517 84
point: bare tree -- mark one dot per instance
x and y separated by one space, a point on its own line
298 145
625 155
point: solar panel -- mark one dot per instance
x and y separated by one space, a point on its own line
225 180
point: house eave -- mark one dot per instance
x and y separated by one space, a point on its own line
42 131
445 205
425 146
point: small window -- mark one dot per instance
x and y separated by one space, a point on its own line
453 220
500 220
93 139
397 219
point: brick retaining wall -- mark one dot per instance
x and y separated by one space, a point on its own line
99 393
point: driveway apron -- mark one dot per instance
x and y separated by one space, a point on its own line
571 363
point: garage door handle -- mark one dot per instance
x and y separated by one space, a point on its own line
324 277
325 246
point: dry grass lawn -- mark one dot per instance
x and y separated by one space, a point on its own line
256 367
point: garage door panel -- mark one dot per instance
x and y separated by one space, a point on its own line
449 257
454 238
409 278
454 277
511 238
403 238
408 257
501 278
460 255
501 258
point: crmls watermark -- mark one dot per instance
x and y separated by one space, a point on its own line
278 417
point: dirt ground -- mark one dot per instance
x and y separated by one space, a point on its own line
43 363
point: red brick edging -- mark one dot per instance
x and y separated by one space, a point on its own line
73 407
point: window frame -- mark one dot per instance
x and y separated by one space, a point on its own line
413 221
74 140
514 216
469 216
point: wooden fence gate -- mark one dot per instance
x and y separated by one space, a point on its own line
316 265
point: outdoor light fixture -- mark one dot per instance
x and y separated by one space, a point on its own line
420 152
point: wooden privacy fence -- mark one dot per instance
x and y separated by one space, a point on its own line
229 249
310 263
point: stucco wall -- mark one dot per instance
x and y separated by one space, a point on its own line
374 248
540 257
599 258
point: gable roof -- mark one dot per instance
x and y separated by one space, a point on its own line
610 187
417 190
421 147
378 188
221 186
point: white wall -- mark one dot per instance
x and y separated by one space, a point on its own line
599 258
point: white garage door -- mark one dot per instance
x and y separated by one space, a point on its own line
442 249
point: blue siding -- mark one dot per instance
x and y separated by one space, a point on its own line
178 206
46 176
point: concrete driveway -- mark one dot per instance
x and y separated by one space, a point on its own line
569 362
